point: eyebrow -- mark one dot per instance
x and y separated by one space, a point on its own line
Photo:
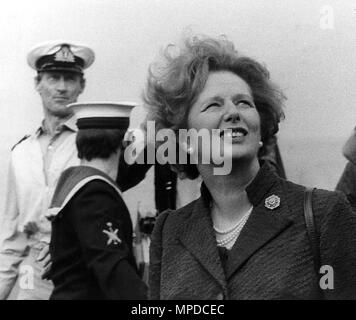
64 75
215 98
239 96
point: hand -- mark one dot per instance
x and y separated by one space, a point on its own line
180 173
31 228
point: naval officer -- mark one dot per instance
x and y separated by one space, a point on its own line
36 163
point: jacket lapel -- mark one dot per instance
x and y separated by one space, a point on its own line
261 227
264 224
198 238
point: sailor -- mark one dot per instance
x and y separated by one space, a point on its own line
91 243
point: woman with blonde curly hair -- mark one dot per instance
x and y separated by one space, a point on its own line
246 236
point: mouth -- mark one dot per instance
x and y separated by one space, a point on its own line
60 98
234 134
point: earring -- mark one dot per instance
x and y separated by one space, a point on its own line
261 144
190 150
187 149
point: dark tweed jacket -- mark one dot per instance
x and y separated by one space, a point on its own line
272 258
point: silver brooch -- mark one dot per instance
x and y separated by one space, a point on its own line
272 202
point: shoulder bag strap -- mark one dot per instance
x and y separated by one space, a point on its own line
311 229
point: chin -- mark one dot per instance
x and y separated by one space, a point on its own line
244 158
239 152
61 111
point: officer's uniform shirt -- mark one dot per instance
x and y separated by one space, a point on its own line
35 166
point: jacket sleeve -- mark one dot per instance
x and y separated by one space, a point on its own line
129 175
101 226
13 244
154 281
338 250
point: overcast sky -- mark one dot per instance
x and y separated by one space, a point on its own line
308 46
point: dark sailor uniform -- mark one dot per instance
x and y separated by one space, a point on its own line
91 244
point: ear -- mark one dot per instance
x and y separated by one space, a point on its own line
82 84
37 81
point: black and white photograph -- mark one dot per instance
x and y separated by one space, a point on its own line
178 150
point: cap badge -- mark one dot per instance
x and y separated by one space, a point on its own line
112 234
272 202
64 55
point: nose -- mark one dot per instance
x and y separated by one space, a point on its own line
61 85
231 113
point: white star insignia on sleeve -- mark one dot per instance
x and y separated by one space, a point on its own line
112 235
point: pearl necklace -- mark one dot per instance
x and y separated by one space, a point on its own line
234 226
233 232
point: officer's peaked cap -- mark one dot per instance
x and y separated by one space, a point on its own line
61 56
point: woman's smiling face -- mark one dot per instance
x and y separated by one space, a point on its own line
226 103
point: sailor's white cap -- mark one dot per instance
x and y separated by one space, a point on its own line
96 115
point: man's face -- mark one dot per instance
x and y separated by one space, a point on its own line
58 89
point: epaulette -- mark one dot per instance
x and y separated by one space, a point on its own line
22 139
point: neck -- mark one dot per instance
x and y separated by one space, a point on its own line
109 166
52 122
229 196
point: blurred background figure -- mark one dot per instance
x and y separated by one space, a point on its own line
36 163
